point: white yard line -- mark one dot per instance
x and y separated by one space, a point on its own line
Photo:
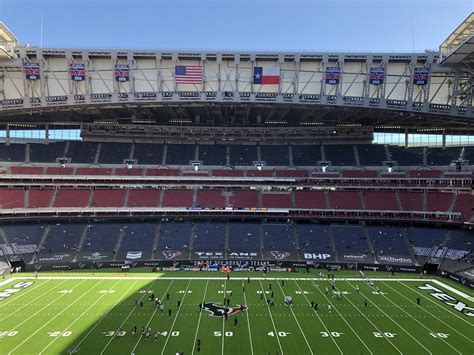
106 314
128 316
271 317
453 290
398 325
420 323
344 319
25 292
200 316
7 281
223 318
32 301
175 317
78 318
248 322
438 304
50 320
46 306
297 322
317 315
151 318
424 310
363 315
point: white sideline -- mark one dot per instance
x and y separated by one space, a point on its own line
437 282
7 281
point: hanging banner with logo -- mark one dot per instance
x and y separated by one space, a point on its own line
77 72
32 71
333 75
377 75
421 76
122 73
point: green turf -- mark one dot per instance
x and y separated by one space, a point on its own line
56 315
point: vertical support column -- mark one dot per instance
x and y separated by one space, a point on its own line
7 135
159 80
323 81
131 82
406 137
87 66
340 64
296 78
46 134
218 77
115 83
237 77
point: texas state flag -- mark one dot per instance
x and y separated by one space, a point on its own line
266 75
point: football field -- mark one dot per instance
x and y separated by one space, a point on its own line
90 313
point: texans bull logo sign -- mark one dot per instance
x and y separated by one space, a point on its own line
218 311
171 254
279 255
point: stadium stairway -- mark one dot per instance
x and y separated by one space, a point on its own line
453 202
97 154
409 246
425 201
41 242
333 243
191 240
399 201
261 243
156 240
371 246
81 242
356 154
116 249
26 196
226 237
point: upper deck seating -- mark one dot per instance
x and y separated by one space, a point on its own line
148 154
242 154
275 155
47 153
213 154
180 154
340 155
406 157
82 152
371 154
114 153
440 156
12 152
306 155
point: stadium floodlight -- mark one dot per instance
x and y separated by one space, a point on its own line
195 165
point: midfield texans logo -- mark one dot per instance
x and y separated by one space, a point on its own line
218 311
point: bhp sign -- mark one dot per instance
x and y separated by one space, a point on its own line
311 256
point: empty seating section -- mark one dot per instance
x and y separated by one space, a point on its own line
12 152
94 171
143 198
278 236
314 238
213 154
46 153
23 238
380 200
438 201
210 198
174 236
39 198
242 154
344 200
469 155
260 173
464 204
63 237
12 198
406 157
138 237
177 198
101 237
459 244
52 170
439 156
108 198
292 173
244 236
128 172
276 200
306 155
209 236
148 154
180 154
275 155
27 170
162 172
310 199
388 240
371 154
114 153
423 240
411 201
72 198
340 155
425 173
227 172
82 152
244 199
350 239
359 173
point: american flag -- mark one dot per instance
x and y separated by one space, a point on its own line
188 74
